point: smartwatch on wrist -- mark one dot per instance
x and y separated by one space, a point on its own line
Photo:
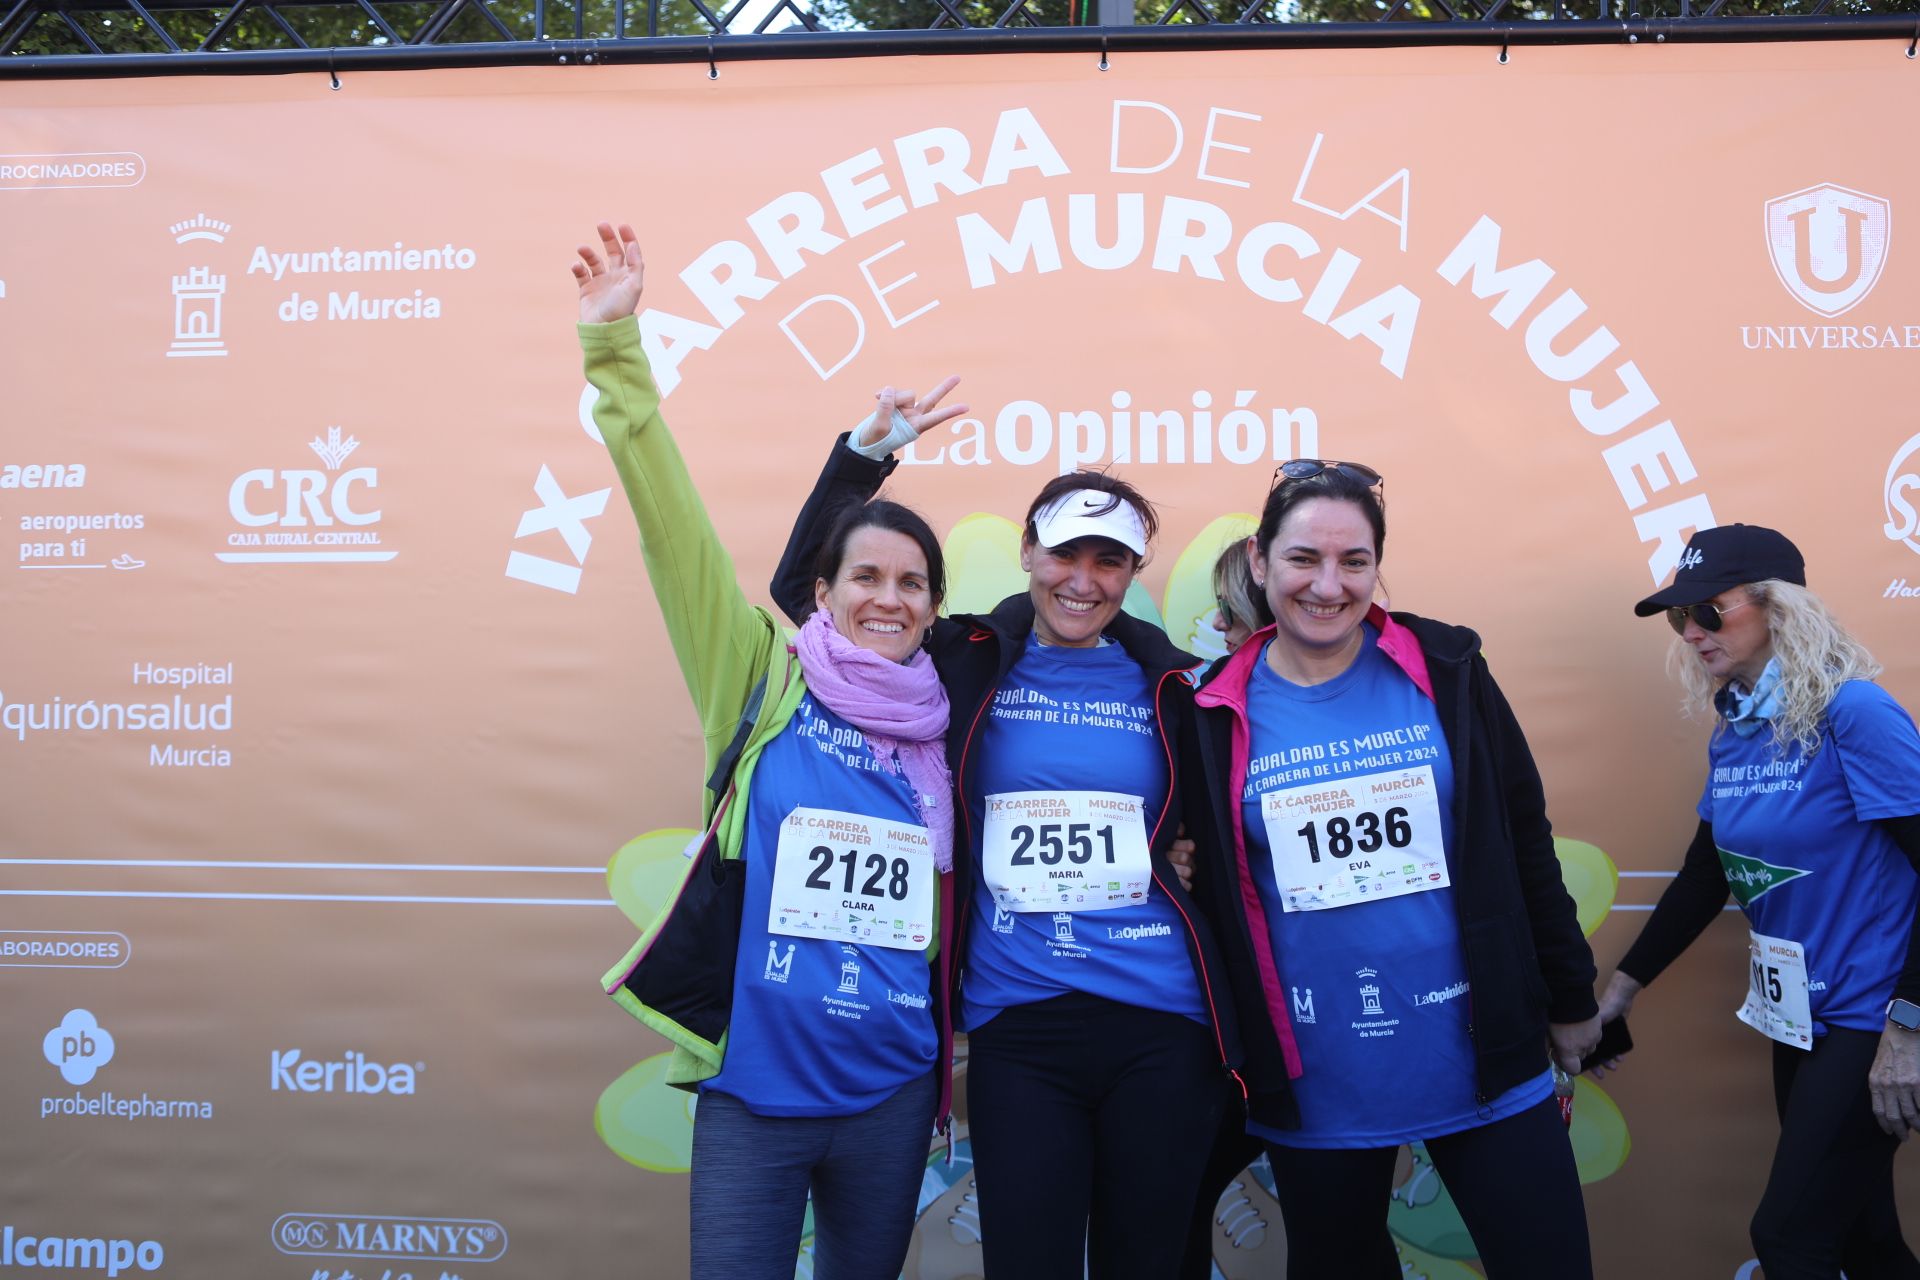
1904 1014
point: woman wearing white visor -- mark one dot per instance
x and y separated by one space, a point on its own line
1101 1039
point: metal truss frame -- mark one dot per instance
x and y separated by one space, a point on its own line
202 37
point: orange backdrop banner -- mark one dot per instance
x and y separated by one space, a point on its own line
342 745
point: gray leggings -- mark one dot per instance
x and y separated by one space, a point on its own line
752 1175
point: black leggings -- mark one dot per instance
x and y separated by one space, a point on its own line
1829 1199
1513 1181
1091 1121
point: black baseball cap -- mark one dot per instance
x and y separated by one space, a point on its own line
1728 556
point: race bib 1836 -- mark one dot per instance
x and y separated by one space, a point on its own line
1342 841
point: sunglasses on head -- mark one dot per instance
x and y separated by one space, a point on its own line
1308 468
1706 616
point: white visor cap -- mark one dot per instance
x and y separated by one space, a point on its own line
1091 513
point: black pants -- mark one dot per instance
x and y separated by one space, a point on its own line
1091 1121
1233 1150
1829 1199
1513 1181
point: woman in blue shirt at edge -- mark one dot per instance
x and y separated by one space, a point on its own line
1810 816
1408 954
1101 1035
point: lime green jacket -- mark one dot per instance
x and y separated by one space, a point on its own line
674 979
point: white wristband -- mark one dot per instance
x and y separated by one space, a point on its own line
901 435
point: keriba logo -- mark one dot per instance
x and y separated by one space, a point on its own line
1829 245
1750 878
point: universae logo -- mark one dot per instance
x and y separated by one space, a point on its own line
1828 244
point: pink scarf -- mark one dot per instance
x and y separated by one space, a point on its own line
901 707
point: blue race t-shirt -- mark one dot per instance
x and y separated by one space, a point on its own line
821 1027
1075 721
1355 777
1799 842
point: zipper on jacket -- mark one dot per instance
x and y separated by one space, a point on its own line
1199 952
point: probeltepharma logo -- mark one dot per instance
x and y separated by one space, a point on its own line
79 1047
308 515
78 1253
292 1072
356 1235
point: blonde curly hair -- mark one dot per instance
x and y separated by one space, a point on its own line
1816 655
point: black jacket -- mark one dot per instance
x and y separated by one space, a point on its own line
1527 959
973 653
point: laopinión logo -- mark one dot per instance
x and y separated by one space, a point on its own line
306 515
352 1073
79 1047
78 1253
1897 495
1829 246
356 1235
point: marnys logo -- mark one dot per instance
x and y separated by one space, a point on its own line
354 1073
75 1253
1828 244
353 1235
302 509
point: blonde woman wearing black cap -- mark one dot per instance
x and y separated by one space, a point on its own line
1810 817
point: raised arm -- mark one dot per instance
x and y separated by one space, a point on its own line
860 463
722 643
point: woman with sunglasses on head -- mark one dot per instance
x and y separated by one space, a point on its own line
1100 1042
1810 816
816 1044
1407 958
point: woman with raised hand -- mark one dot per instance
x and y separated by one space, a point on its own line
1408 957
1810 816
1100 1036
795 971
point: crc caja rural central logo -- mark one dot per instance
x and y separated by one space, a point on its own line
1829 245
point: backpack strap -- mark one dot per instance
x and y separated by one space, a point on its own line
723 767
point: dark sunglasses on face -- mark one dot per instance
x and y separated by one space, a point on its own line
1704 616
1308 468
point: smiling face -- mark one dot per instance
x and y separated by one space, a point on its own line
1742 647
879 597
1077 588
1319 574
